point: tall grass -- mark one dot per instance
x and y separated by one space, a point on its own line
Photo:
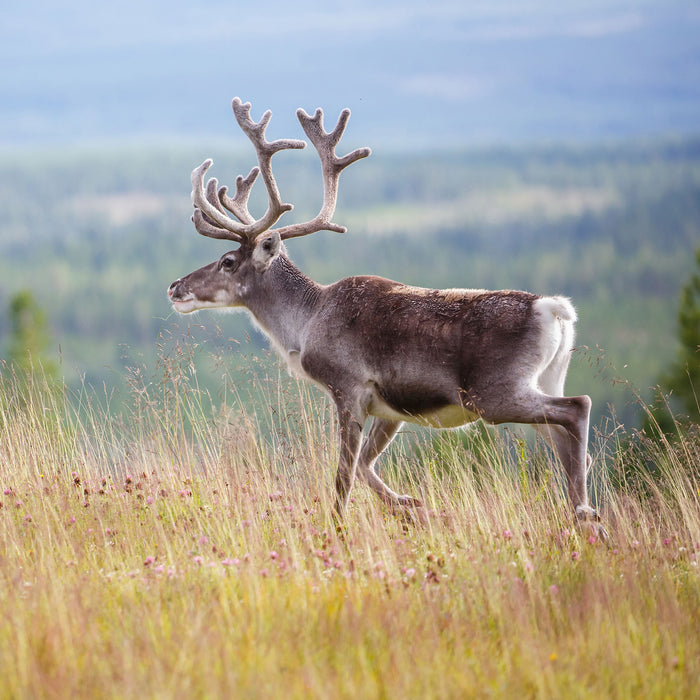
186 549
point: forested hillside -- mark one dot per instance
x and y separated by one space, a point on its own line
98 236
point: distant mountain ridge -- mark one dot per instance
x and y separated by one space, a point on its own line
415 75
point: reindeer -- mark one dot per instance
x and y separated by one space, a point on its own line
382 349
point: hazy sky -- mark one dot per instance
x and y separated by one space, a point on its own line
412 72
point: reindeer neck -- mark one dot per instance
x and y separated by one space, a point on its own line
285 301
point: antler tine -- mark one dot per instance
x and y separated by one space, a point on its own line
255 131
238 204
206 227
331 167
212 194
211 220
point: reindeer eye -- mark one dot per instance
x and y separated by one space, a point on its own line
228 263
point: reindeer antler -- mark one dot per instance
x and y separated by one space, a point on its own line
210 217
331 167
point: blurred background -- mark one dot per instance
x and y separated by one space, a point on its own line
553 147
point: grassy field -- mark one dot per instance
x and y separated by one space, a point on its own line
187 550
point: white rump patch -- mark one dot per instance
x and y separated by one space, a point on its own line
557 316
558 307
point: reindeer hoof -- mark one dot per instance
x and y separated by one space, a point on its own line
411 511
589 517
410 502
603 535
586 514
599 532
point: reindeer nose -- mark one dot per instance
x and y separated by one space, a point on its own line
171 288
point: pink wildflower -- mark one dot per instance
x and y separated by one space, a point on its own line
149 560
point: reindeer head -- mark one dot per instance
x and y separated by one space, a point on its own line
229 281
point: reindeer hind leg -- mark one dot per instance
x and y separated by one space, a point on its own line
566 432
380 435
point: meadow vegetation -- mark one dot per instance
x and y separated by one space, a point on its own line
187 550
166 492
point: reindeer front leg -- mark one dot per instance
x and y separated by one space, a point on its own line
350 429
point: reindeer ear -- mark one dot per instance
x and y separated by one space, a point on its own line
267 248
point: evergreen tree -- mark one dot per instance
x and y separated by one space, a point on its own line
683 377
29 338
